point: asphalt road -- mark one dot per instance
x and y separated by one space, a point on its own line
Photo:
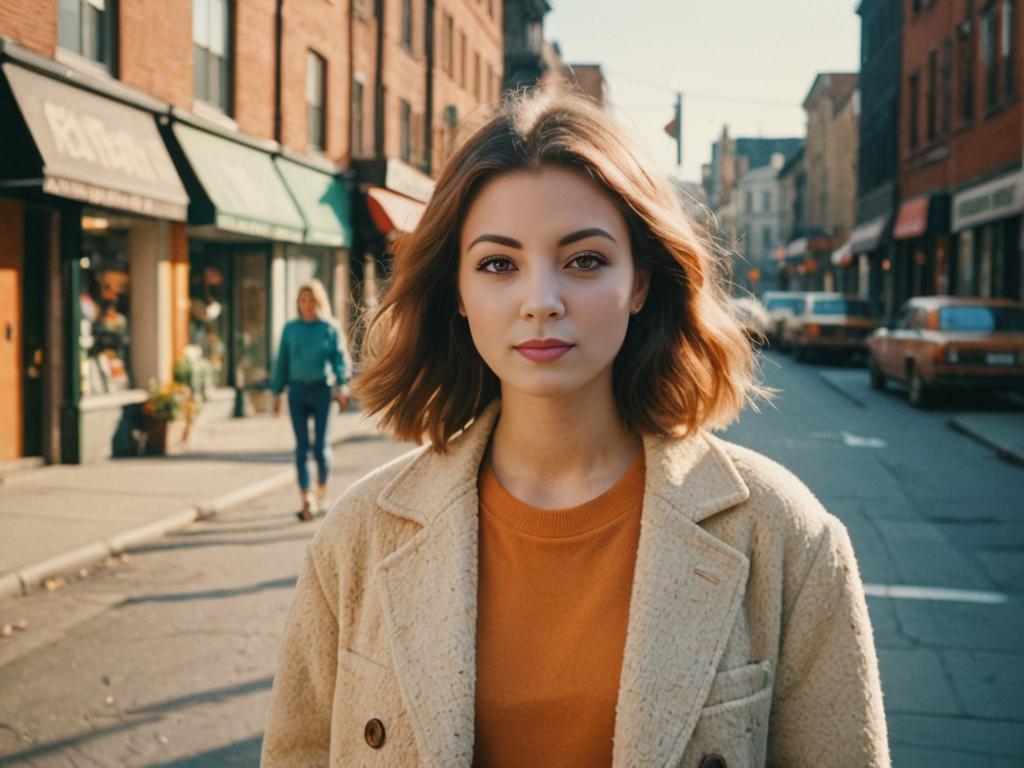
166 658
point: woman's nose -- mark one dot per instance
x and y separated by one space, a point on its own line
542 298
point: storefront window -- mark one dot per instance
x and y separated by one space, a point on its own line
985 262
104 302
965 270
250 336
209 314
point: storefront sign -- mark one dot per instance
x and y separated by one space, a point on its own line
996 199
96 149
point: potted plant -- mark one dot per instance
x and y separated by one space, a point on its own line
168 414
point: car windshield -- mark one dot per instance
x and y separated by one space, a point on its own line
794 303
980 318
841 307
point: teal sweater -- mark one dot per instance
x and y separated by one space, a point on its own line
310 352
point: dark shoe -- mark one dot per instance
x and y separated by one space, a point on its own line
304 515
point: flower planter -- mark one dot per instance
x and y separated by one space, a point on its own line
164 438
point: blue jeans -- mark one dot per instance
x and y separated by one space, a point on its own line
307 399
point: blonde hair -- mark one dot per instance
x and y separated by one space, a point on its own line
323 304
685 363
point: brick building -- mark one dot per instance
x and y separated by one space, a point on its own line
176 170
831 172
960 179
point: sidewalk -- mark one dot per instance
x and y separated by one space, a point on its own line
58 519
1002 429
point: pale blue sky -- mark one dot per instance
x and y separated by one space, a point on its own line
726 54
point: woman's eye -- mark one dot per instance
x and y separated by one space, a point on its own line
587 262
497 265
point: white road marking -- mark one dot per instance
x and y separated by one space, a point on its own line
856 441
906 592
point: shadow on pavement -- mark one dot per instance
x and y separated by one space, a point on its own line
212 594
246 752
173 545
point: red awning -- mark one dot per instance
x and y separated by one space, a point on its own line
912 220
392 213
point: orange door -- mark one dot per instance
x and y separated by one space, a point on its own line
12 219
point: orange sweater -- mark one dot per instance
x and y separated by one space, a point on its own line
553 604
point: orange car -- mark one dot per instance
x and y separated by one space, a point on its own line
945 342
829 322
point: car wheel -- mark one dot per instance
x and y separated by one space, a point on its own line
877 377
919 395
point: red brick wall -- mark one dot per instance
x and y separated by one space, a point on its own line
31 23
483 36
986 143
254 67
320 26
155 55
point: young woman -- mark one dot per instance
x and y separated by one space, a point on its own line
573 572
312 362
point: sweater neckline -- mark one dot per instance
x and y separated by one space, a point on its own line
623 497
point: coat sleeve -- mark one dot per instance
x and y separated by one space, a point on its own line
298 728
827 707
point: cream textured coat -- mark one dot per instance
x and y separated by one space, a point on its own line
748 633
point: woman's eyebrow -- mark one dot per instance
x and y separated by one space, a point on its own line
585 233
567 240
499 239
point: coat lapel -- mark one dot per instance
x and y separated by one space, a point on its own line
428 591
687 590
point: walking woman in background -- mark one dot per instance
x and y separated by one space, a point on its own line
574 572
313 363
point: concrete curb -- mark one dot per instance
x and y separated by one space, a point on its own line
1006 454
30 577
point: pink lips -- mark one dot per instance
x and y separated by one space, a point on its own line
543 350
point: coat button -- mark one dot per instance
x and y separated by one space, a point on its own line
713 761
374 733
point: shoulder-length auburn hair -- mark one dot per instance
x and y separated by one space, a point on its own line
685 363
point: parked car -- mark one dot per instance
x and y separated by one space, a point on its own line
752 316
946 342
834 322
780 305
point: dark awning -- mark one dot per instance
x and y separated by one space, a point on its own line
868 235
96 149
323 201
240 190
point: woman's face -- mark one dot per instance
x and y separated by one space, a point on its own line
546 281
307 305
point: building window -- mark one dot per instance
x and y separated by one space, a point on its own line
86 27
462 59
448 46
946 80
914 97
211 53
766 200
965 39
766 240
476 75
1006 49
316 82
749 201
988 56
488 82
406 132
407 24
930 111
451 122
357 118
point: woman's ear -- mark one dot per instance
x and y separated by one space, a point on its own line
641 287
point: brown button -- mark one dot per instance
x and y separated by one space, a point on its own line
713 761
374 733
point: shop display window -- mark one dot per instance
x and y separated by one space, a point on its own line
209 316
105 307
